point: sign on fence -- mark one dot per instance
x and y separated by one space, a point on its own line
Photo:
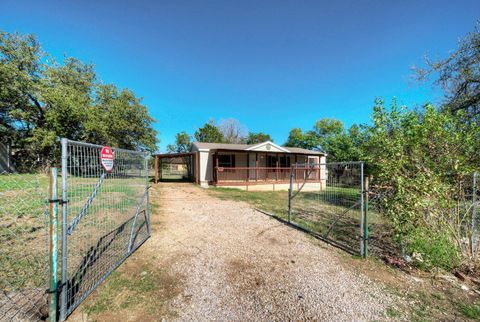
106 158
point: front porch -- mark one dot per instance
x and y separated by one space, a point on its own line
266 171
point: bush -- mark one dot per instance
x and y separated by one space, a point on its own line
421 161
431 249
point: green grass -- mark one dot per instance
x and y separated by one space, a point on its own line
143 288
393 312
22 230
471 311
23 219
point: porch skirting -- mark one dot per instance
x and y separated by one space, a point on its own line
272 186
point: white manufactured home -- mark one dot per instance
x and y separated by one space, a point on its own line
263 166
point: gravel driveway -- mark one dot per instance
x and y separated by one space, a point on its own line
237 264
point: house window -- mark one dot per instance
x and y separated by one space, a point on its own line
312 161
284 161
226 160
271 161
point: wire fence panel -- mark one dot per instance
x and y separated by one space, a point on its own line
327 199
105 216
23 256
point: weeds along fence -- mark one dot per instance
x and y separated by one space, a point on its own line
328 200
452 211
62 234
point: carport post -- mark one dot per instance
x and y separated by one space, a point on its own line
156 169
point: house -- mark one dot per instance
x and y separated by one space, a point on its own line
262 166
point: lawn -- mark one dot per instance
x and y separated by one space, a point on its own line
24 218
22 230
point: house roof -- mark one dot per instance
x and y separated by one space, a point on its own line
253 147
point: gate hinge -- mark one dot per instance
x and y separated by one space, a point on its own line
57 290
59 201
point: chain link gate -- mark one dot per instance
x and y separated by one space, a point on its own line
329 201
105 216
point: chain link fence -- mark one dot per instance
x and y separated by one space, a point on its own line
62 234
23 251
327 200
105 215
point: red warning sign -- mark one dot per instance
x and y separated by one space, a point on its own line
106 158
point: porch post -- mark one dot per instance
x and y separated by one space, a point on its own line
296 160
256 166
248 167
197 168
215 167
160 167
156 169
276 170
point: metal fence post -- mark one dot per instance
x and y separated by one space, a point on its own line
362 210
474 241
290 189
365 223
53 240
146 191
63 296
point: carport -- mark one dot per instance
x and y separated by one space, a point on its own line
176 167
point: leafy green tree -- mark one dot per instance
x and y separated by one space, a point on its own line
209 133
330 136
42 100
419 159
257 137
297 138
458 75
119 119
182 143
21 72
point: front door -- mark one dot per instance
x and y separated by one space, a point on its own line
252 163
314 167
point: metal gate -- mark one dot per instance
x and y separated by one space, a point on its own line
328 200
105 216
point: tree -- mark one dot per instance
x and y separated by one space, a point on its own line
121 119
42 100
419 159
182 143
297 138
330 136
257 137
209 133
458 75
232 130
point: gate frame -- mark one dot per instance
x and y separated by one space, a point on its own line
62 288
363 189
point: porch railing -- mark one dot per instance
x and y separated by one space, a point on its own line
265 174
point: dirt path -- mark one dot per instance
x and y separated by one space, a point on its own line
220 260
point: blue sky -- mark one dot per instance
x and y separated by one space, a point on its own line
273 65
